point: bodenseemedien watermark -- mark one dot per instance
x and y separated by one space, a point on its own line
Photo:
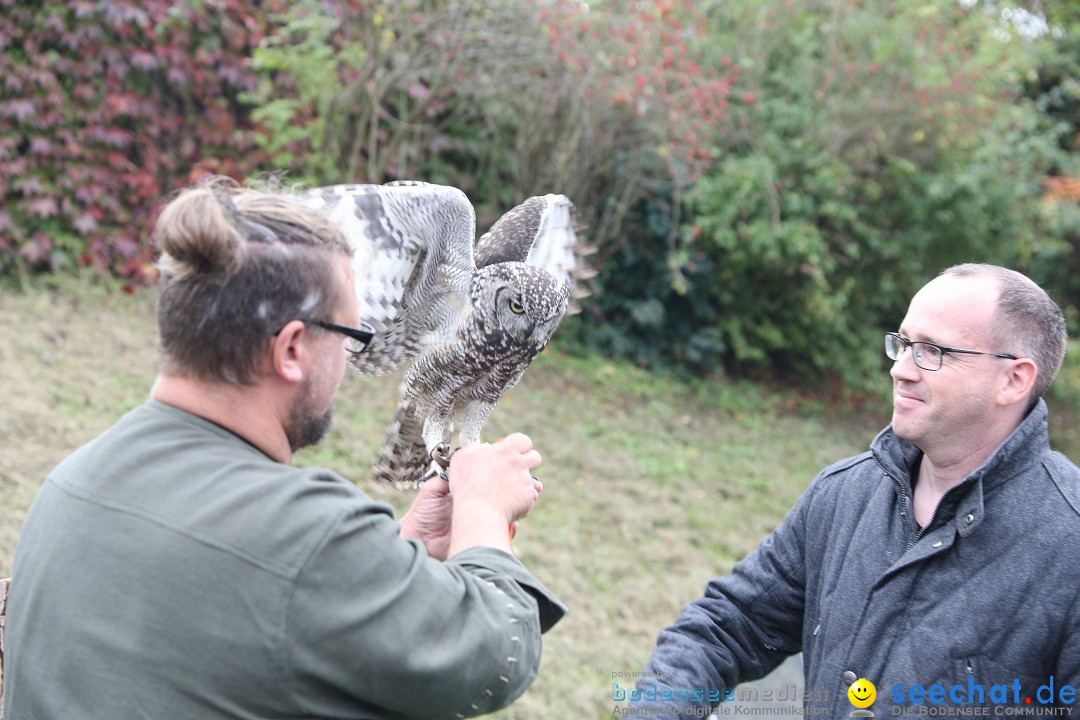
725 702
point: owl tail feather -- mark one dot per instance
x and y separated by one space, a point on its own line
403 459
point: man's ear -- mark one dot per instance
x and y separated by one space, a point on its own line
289 352
1018 381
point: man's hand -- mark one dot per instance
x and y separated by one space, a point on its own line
492 487
428 519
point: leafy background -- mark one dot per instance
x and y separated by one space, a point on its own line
767 182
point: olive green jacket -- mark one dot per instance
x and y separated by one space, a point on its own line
169 569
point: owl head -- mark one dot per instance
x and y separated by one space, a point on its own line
523 301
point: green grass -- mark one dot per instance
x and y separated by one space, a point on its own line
653 485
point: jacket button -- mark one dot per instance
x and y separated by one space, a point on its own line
937 544
850 677
970 518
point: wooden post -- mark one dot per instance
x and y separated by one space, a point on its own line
5 584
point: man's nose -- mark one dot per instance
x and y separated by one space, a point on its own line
904 367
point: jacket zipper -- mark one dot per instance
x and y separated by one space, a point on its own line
908 508
929 524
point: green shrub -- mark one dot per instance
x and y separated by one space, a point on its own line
872 148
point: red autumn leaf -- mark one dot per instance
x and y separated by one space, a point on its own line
83 9
42 207
35 251
117 137
176 76
20 109
84 224
144 60
30 186
87 193
125 246
117 160
41 146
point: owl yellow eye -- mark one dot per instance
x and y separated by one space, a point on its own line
515 308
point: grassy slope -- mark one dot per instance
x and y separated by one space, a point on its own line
652 486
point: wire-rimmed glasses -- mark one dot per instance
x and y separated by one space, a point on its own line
926 355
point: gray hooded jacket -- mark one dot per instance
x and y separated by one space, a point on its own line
982 602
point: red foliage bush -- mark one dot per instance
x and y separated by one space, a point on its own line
107 106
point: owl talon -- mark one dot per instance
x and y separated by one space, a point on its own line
432 473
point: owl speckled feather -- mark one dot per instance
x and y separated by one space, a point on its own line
465 324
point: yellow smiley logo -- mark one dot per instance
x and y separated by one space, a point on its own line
862 693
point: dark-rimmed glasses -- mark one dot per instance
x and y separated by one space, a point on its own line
928 356
358 339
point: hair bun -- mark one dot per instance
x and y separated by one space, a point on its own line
197 232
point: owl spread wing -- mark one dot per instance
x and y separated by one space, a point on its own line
413 261
542 231
414 266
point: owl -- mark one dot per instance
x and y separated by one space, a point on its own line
464 321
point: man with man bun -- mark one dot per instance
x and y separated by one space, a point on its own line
179 567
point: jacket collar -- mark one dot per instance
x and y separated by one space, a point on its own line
1025 444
